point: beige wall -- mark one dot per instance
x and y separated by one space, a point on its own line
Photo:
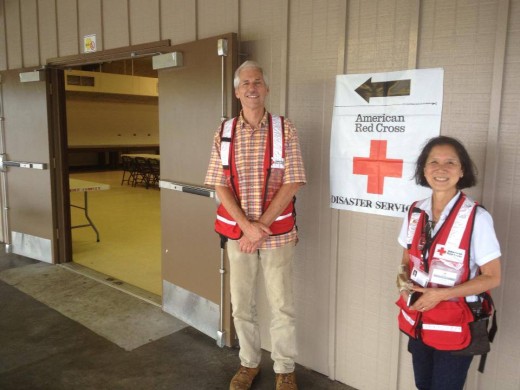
345 261
95 119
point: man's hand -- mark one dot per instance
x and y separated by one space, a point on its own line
255 234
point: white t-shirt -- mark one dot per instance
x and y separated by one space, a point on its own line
484 245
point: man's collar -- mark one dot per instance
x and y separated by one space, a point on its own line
263 122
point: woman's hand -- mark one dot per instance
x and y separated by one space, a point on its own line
429 299
489 278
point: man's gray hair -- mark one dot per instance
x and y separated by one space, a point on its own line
249 64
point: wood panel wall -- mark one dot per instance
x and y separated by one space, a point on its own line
345 267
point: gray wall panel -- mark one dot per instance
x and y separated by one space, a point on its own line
178 21
13 30
144 21
115 24
3 38
216 17
90 22
315 28
262 30
30 44
68 39
48 34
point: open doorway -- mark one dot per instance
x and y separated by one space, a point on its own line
112 110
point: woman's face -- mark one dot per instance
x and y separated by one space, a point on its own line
443 169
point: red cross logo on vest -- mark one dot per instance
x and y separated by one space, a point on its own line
441 251
377 167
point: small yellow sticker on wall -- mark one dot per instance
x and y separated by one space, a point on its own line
89 43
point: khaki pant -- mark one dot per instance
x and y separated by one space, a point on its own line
276 265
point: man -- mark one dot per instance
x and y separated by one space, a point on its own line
256 169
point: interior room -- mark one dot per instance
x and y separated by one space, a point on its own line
112 110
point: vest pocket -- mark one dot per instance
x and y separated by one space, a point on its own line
446 327
407 319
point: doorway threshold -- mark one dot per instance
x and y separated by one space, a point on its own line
137 292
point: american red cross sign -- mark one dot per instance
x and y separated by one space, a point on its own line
380 123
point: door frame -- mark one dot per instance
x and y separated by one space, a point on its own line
57 119
59 169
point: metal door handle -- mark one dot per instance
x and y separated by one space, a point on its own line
188 188
19 164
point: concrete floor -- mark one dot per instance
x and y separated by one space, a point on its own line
42 349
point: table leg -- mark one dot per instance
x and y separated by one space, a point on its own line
85 209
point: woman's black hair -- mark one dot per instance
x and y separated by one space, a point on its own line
469 179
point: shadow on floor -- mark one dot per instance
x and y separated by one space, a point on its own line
42 349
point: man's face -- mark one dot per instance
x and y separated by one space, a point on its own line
251 90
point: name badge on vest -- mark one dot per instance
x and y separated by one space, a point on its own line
278 163
419 277
444 277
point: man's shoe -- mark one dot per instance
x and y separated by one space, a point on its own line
244 378
286 381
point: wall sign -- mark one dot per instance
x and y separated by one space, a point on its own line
380 123
89 43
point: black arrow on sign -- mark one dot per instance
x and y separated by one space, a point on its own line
369 89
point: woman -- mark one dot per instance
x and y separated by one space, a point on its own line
451 256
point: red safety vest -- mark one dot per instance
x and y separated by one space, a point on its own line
446 326
274 160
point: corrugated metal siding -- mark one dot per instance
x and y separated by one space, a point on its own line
346 261
13 32
316 28
29 31
216 17
178 21
90 22
47 32
145 23
68 36
3 38
504 361
116 31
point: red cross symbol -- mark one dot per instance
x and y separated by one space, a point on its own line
441 251
377 167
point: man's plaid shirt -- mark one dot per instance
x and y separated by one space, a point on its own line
249 157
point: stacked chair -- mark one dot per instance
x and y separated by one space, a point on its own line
140 170
128 169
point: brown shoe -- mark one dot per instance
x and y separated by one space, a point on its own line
244 378
286 381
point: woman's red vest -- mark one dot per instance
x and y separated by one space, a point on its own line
446 326
273 168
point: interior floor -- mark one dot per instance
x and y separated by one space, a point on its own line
40 348
129 225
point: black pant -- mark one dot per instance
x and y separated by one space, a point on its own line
437 370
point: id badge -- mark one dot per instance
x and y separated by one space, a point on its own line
444 277
445 273
419 277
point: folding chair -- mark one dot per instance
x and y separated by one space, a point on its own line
155 171
128 167
142 172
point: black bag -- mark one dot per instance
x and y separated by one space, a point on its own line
481 335
480 343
